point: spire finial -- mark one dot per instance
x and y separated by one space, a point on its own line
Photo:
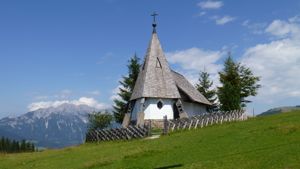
154 21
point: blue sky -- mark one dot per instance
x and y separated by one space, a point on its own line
76 51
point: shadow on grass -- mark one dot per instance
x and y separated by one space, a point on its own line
170 166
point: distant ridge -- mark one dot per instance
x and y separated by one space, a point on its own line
280 110
53 127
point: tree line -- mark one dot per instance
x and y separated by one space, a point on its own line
13 146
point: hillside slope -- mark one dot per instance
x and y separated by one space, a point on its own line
263 142
280 110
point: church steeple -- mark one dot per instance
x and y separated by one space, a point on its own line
155 79
154 24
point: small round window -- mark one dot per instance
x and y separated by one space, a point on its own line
160 104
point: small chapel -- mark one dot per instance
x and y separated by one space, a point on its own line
160 92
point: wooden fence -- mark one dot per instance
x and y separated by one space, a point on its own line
128 133
203 120
135 132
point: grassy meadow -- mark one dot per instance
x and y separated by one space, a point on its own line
262 142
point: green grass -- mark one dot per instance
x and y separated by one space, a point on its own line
263 142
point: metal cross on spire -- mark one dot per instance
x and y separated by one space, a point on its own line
154 16
154 21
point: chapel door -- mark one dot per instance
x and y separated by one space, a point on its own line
176 112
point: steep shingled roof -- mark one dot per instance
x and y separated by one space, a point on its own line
157 80
184 85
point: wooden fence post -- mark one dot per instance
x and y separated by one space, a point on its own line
150 128
165 131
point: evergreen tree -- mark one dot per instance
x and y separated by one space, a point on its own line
99 120
127 83
23 145
204 87
238 82
229 93
32 148
249 84
17 147
229 97
14 146
7 145
2 144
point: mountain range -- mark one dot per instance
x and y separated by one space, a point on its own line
53 127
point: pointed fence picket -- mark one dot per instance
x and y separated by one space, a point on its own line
205 119
131 132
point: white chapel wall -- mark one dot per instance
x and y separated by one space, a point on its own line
152 111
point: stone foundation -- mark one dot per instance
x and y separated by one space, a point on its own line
155 123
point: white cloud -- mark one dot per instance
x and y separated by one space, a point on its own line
223 20
115 92
81 101
246 23
282 29
194 60
202 13
295 19
210 4
277 62
255 28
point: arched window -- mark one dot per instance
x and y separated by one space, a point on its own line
160 104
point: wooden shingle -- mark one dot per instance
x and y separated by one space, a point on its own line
157 80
